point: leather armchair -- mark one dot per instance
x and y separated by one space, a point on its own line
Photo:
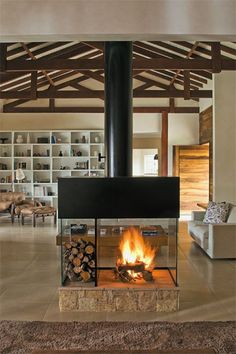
8 201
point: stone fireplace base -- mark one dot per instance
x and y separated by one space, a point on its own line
110 296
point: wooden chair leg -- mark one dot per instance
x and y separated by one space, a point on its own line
22 219
34 219
55 218
12 210
43 217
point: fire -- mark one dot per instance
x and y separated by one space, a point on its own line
134 249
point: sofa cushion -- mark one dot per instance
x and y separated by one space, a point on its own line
232 216
217 212
200 232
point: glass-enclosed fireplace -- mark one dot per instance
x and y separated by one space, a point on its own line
119 232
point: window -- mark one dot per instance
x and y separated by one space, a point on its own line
150 165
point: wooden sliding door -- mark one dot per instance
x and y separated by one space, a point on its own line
191 164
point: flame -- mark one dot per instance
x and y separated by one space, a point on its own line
134 249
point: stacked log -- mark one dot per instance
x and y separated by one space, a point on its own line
79 260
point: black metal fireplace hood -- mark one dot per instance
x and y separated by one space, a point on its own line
121 197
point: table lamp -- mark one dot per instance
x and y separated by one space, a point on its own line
19 175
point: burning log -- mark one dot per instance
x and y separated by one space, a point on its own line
79 258
132 271
137 257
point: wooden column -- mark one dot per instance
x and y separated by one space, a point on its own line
164 144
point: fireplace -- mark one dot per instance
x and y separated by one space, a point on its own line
118 233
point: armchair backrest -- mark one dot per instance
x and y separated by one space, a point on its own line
12 197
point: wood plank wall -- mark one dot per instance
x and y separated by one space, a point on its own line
206 136
191 164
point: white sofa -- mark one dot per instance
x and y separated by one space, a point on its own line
217 240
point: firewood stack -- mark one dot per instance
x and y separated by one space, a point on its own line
132 271
79 259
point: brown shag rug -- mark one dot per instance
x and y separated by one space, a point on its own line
25 337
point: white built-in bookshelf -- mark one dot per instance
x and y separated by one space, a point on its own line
44 156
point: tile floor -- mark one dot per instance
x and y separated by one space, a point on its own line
30 276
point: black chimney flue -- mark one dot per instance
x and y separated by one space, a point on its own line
118 108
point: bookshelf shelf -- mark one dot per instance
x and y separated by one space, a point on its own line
44 171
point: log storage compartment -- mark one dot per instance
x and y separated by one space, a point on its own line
123 263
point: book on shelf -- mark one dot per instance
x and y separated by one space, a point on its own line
40 191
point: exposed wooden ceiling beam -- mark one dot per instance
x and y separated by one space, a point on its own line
3 56
59 75
173 48
32 56
187 57
187 92
96 64
18 49
216 57
184 110
39 51
168 76
53 93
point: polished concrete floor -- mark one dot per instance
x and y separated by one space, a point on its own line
30 276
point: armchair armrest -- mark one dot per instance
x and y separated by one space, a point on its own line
37 203
197 215
222 240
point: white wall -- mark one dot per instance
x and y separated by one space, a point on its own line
224 137
204 103
142 123
183 129
29 20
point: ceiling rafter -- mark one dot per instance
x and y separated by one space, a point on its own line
32 56
180 81
144 48
49 47
162 61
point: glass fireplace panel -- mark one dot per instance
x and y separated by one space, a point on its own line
94 252
158 236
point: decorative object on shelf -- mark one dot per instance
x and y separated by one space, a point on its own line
3 166
97 139
19 139
19 175
23 165
3 180
83 139
28 138
59 140
42 140
95 153
60 153
3 140
79 153
46 167
38 166
53 139
29 152
48 152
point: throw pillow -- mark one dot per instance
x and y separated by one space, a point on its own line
217 213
